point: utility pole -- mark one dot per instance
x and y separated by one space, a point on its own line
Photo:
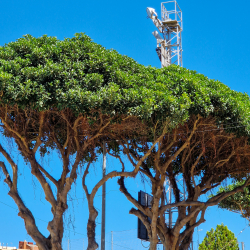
242 246
170 201
103 198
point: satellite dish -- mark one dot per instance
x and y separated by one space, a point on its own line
151 12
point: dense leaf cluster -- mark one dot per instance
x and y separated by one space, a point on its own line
220 238
239 202
76 73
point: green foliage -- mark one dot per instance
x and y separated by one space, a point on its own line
239 202
220 238
76 73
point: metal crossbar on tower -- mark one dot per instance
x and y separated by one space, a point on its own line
169 41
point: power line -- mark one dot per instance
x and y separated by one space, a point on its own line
236 236
125 230
8 205
120 245
44 220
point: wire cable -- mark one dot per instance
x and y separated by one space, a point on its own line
143 245
236 236
44 220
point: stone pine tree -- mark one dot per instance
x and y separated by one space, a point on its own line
220 238
74 95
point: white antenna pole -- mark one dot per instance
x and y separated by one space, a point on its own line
103 199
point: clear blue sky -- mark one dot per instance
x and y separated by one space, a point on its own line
215 43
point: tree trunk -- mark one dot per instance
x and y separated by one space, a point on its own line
186 241
30 224
153 245
55 228
92 244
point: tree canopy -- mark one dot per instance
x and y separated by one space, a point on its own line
220 238
73 95
76 73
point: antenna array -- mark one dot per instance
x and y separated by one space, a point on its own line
169 41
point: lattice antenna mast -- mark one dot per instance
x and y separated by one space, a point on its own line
169 41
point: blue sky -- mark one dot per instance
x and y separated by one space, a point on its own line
215 43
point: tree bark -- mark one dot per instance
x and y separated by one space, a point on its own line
92 244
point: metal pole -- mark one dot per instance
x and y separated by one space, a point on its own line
184 191
198 236
178 48
103 198
175 10
164 203
111 240
170 201
242 246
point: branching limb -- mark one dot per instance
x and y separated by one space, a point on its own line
119 158
177 228
124 190
219 197
191 228
85 188
13 183
211 202
16 134
187 142
143 218
49 196
50 177
147 173
194 165
209 188
24 212
7 180
69 180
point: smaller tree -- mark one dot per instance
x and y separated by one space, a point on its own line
220 238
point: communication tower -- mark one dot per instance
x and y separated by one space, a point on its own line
169 41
